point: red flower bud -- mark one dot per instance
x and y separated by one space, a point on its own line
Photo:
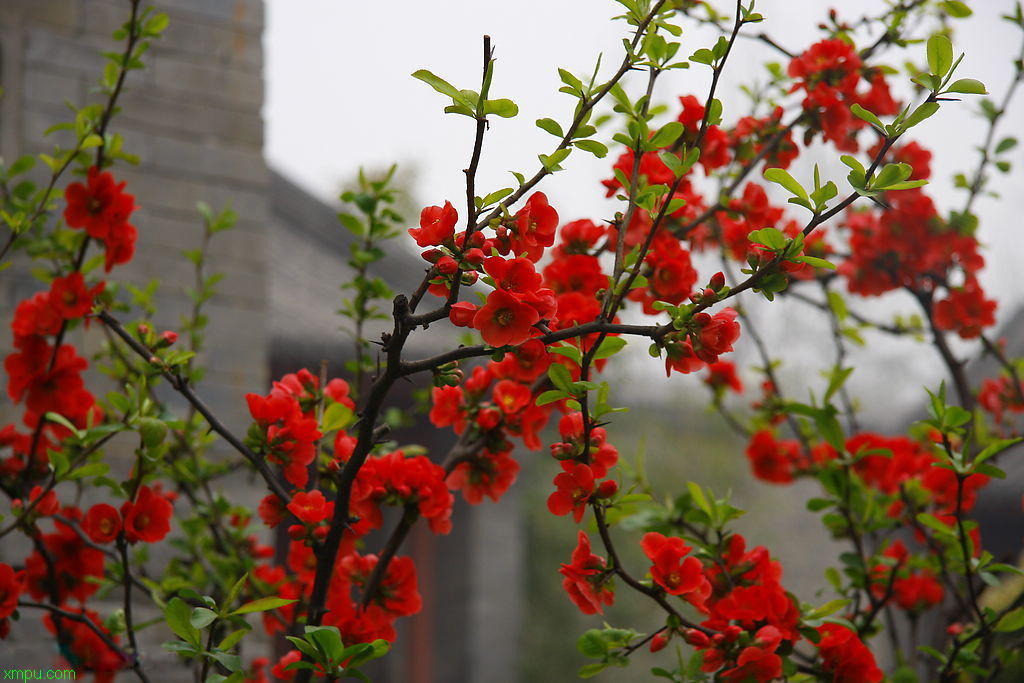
475 256
432 255
659 642
167 337
461 314
296 532
446 265
144 329
488 418
697 638
702 319
477 240
607 488
320 533
717 281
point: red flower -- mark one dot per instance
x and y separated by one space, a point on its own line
69 296
11 586
586 579
148 519
36 316
511 396
505 320
774 461
574 487
271 510
310 508
102 523
717 335
535 227
99 206
723 374
488 475
966 311
846 657
437 225
670 570
449 408
516 275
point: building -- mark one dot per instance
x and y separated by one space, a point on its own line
193 118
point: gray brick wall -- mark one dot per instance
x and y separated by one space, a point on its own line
193 118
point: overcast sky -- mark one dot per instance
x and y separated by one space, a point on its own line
340 95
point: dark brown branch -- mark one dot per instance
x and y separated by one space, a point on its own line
181 385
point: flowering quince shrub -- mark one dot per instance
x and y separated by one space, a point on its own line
546 303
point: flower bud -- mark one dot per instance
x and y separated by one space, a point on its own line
474 256
166 338
702 319
144 329
461 314
659 642
470 277
446 265
717 281
696 638
296 532
432 255
607 488
320 533
488 418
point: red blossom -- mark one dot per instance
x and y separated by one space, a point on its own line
505 320
102 523
587 579
573 489
670 568
437 225
311 507
100 205
148 518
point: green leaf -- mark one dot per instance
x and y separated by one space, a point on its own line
920 114
667 134
263 605
550 126
598 149
232 639
932 522
830 607
817 262
994 449
178 615
592 644
769 237
336 416
863 114
551 396
940 54
967 86
609 347
1005 145
442 86
782 177
592 669
957 9
504 108
1011 621
560 376
202 617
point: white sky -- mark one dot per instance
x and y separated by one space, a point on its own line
340 95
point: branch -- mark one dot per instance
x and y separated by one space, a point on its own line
181 385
